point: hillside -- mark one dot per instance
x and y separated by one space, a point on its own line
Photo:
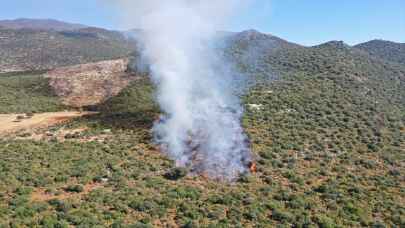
39 24
30 50
257 54
327 131
390 51
353 68
27 93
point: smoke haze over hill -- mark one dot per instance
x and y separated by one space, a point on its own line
200 127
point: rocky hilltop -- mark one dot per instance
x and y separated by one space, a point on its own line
40 24
32 50
90 84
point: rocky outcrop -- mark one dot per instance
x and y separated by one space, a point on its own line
90 84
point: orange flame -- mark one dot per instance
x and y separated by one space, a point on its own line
253 167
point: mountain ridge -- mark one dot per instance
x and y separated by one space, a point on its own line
42 24
30 49
388 50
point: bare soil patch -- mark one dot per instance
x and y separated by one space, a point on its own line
90 84
12 123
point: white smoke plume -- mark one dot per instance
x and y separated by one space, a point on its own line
201 126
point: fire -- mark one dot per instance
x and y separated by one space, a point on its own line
253 167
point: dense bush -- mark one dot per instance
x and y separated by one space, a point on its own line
27 93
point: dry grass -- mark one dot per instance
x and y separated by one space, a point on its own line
42 195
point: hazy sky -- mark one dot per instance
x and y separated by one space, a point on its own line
306 22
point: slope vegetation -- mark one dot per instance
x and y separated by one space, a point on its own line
327 131
27 93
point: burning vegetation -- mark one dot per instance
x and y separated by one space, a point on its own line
201 126
199 158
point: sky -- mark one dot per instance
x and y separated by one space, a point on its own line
307 22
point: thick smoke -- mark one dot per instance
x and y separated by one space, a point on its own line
201 126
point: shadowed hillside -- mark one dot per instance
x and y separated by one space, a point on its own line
390 51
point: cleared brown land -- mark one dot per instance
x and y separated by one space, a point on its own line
9 123
92 83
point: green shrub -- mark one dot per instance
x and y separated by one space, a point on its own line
143 205
75 188
325 222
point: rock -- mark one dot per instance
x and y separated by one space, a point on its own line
104 179
255 106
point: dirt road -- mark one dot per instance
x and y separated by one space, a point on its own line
10 123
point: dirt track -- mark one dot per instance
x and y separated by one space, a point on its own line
9 123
